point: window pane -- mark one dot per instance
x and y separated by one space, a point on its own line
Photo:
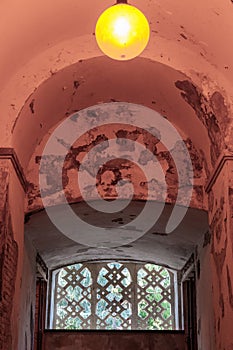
154 298
114 307
73 298
114 295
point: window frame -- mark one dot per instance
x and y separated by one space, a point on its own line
175 290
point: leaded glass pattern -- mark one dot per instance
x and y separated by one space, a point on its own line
113 295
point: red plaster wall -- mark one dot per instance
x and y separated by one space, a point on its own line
8 261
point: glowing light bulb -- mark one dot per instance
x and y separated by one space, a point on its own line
121 28
122 32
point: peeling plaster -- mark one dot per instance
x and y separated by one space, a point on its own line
212 114
116 170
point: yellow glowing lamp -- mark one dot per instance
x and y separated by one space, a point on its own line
122 31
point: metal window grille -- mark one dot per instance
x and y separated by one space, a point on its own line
113 295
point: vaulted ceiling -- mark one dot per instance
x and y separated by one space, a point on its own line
51 67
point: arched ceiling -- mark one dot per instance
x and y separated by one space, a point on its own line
40 39
100 80
170 250
32 28
142 229
50 66
113 142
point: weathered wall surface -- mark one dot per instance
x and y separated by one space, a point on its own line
11 245
199 49
124 162
221 225
215 268
114 340
27 298
212 112
204 296
8 261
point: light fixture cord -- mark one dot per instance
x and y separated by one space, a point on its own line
121 1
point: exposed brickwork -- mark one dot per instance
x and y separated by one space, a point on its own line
8 264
